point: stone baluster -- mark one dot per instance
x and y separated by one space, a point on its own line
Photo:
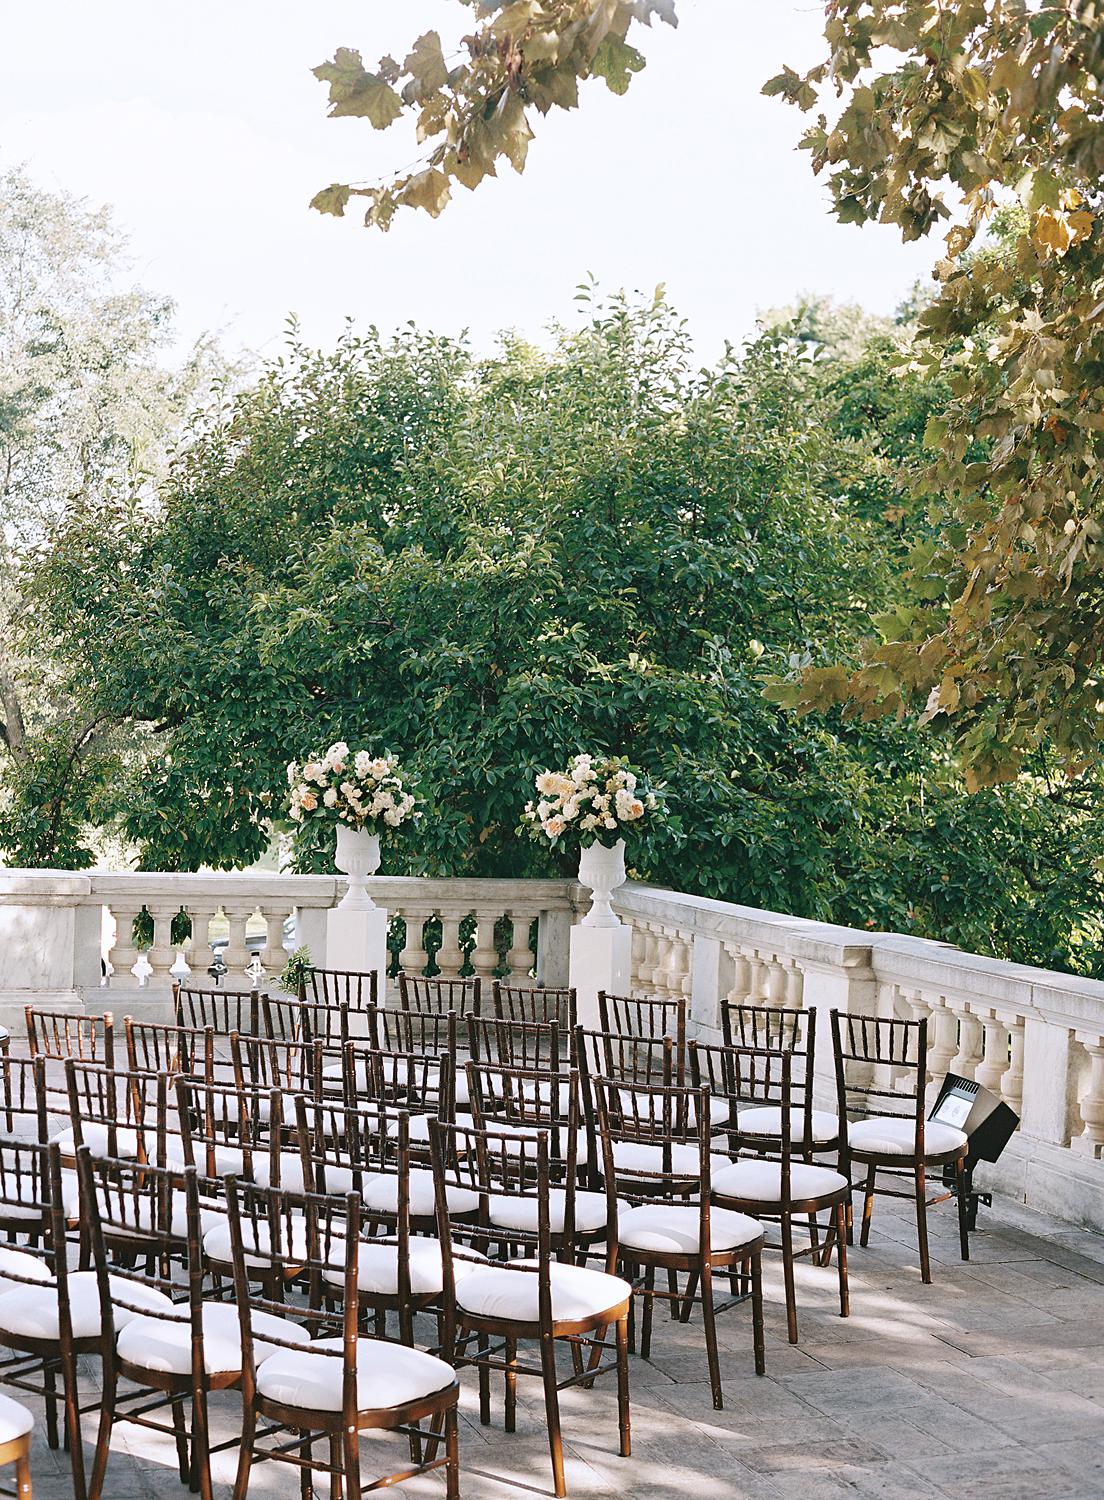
485 955
740 992
775 982
678 968
1091 1100
274 955
161 954
757 978
920 1010
970 1042
413 959
649 951
199 953
639 948
237 956
520 959
124 954
793 985
661 972
450 956
1013 1080
994 1054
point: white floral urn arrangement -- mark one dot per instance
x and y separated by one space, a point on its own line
364 795
594 805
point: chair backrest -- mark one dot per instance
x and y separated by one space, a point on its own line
33 1203
161 1047
222 1011
633 1059
530 1003
517 1044
226 1127
318 1233
439 995
417 1082
303 1021
760 1078
528 1100
56 1035
881 1068
352 987
633 1015
23 1097
291 1067
655 1141
786 1030
140 1220
412 1030
117 1112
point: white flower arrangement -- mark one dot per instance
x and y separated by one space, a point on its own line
596 800
354 787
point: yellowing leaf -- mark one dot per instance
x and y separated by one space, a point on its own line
426 62
429 190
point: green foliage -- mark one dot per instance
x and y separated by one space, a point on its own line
520 56
296 971
491 564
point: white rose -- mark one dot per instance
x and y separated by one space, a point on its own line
379 767
546 783
611 822
554 827
292 773
362 760
571 809
392 817
329 797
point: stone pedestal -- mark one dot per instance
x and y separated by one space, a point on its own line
358 940
601 959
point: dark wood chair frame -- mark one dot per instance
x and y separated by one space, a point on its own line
130 1215
519 1165
330 1220
297 1020
663 1117
56 1036
536 1002
764 1076
23 1097
641 1016
879 1046
223 1011
36 1363
354 988
781 1029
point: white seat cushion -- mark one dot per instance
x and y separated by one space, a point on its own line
382 1192
156 1344
258 1238
507 1212
378 1267
95 1137
227 1159
675 1228
19 1263
30 1313
578 1293
388 1375
641 1156
15 1420
766 1120
887 1137
757 1181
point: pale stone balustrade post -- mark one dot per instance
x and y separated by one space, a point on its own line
994 1054
124 953
846 984
198 952
1091 1102
970 1040
88 947
520 957
237 956
707 960
310 933
450 956
660 972
413 957
639 947
942 1041
273 955
1013 1081
484 955
161 954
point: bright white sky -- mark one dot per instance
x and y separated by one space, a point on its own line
202 126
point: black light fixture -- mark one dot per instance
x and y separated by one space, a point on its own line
988 1122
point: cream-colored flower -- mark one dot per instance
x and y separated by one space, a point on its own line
554 827
329 797
309 801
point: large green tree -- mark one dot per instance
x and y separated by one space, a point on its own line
487 564
86 411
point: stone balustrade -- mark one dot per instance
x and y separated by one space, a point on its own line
112 940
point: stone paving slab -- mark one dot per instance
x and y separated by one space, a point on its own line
989 1383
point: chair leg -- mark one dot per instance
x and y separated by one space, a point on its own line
786 1227
23 1477
623 1418
180 1434
452 1454
350 1452
757 1313
306 1476
552 1413
672 1287
482 1346
73 1440
511 1385
841 1261
103 1437
709 1319
922 1223
963 1208
336 1486
245 1452
646 1313
868 1205
49 1382
688 1301
201 1446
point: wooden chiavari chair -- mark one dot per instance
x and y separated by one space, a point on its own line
670 1223
163 1047
114 1112
303 1021
882 1075
57 1035
342 1384
438 995
49 1315
158 1332
223 1011
23 1098
537 1300
776 1184
779 1029
431 1032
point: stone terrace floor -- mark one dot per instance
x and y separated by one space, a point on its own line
989 1382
